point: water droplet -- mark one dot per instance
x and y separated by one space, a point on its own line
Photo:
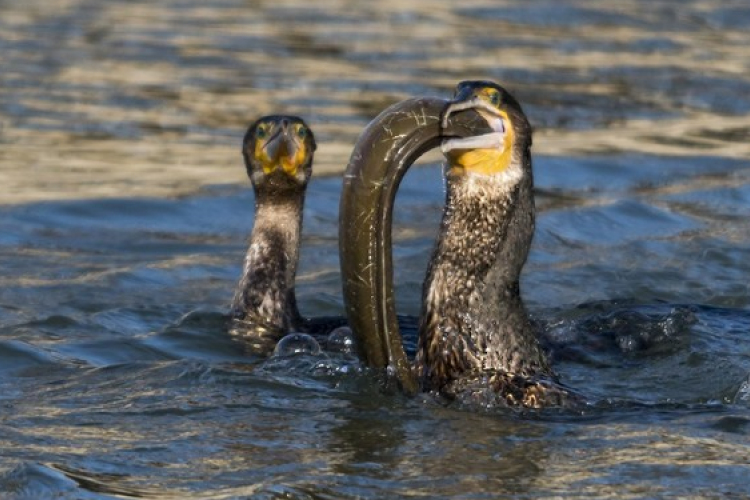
296 343
342 340
743 394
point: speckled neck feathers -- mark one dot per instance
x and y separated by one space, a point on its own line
264 306
473 319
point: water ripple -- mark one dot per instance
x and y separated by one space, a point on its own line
118 377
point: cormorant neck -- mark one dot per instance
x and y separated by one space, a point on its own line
264 305
280 214
473 318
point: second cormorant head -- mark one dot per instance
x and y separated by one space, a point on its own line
278 152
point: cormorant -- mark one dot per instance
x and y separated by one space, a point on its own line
278 152
475 339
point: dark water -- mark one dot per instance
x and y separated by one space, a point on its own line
125 215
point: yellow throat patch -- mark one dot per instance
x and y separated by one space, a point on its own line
484 161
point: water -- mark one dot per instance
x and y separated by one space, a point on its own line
125 213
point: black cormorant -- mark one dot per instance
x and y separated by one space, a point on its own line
278 153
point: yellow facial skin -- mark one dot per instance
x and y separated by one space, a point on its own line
485 161
275 147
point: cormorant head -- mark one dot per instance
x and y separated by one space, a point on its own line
493 153
278 152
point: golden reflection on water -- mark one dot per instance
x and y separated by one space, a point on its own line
151 99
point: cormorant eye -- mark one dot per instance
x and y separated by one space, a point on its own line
301 132
495 98
261 132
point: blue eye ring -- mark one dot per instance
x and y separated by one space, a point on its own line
301 132
261 132
495 98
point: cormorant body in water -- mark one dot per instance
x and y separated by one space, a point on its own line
278 153
476 342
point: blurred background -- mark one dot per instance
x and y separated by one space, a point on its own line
111 98
125 211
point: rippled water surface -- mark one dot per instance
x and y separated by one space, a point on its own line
125 213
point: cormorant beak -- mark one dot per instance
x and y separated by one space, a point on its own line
272 147
281 149
467 99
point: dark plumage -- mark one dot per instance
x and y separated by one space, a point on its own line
278 153
473 318
474 329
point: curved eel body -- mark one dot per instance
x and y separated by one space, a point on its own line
380 159
475 338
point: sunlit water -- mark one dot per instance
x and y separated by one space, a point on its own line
126 214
